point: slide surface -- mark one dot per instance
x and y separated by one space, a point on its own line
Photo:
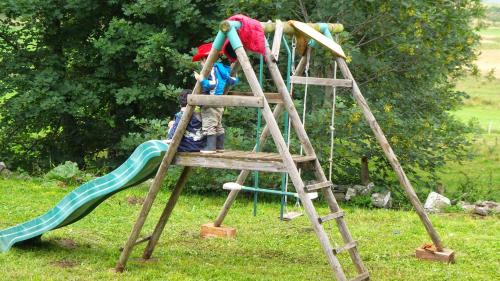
141 165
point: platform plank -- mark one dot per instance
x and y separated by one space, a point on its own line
238 160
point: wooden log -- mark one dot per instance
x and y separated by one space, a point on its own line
288 28
292 169
162 170
273 98
391 156
328 82
320 185
172 201
347 246
318 170
223 101
235 164
262 139
278 34
318 37
140 241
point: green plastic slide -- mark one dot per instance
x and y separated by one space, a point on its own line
141 165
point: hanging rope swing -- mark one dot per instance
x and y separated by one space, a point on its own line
298 208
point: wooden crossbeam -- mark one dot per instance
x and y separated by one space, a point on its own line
346 83
273 98
238 160
222 101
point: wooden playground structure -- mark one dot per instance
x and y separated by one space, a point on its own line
319 34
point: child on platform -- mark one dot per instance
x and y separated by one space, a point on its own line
212 116
193 139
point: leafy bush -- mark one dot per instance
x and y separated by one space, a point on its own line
67 173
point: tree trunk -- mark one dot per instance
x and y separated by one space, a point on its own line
365 175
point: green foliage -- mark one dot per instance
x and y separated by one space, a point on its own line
67 172
73 72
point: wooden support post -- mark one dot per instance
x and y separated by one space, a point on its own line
278 34
162 170
287 158
172 201
308 149
262 139
391 156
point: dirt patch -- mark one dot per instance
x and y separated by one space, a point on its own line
64 264
134 200
67 243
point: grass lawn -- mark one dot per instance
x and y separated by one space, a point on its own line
483 104
480 177
265 249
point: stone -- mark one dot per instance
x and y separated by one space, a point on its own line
5 173
339 196
2 166
482 211
436 202
364 190
491 206
469 208
382 200
351 193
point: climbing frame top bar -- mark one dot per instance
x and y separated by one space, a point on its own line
287 27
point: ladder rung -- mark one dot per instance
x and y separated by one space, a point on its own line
316 186
361 277
331 217
346 247
321 81
212 100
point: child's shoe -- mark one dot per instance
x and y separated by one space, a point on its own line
220 143
210 146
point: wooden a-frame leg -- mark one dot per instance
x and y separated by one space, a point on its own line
262 139
390 155
309 150
172 201
162 170
288 161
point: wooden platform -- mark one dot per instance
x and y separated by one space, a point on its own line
238 160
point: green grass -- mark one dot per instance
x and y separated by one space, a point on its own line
477 177
265 249
483 104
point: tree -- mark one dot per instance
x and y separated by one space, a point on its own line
71 70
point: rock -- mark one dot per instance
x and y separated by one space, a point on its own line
2 166
339 196
364 190
490 206
351 193
482 211
436 202
469 208
359 187
342 188
382 200
5 173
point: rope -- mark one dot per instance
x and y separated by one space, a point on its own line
332 126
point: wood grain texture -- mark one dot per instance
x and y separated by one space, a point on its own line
162 221
319 37
223 101
390 155
162 170
328 82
